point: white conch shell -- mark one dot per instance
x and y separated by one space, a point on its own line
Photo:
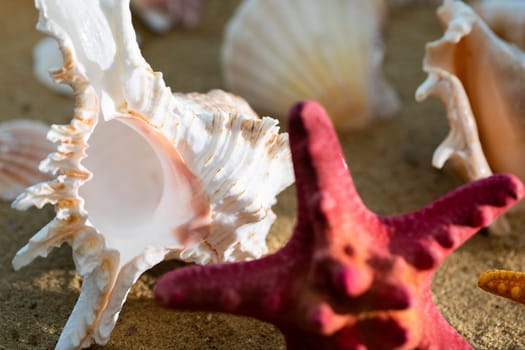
162 15
23 145
276 53
481 80
47 57
506 18
189 177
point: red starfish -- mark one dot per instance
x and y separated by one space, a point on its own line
348 278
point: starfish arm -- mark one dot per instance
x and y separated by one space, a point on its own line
322 178
342 255
426 237
507 284
437 332
328 201
260 288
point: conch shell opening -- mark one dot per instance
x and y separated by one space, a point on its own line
145 187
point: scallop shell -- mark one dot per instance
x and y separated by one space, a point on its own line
480 79
23 145
46 58
505 18
141 175
162 15
276 53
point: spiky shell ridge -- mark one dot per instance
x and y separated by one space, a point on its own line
241 162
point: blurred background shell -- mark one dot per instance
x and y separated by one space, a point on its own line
23 145
506 18
480 78
162 15
276 53
47 57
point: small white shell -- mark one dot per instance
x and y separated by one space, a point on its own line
162 15
276 53
481 79
23 145
47 57
413 2
191 177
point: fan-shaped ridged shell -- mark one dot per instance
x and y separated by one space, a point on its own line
23 145
276 53
141 175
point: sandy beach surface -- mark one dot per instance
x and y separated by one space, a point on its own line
390 163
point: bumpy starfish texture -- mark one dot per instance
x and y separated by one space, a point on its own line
507 284
348 278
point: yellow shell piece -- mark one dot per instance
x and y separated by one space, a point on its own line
507 284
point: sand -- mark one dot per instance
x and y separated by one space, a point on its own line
390 163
